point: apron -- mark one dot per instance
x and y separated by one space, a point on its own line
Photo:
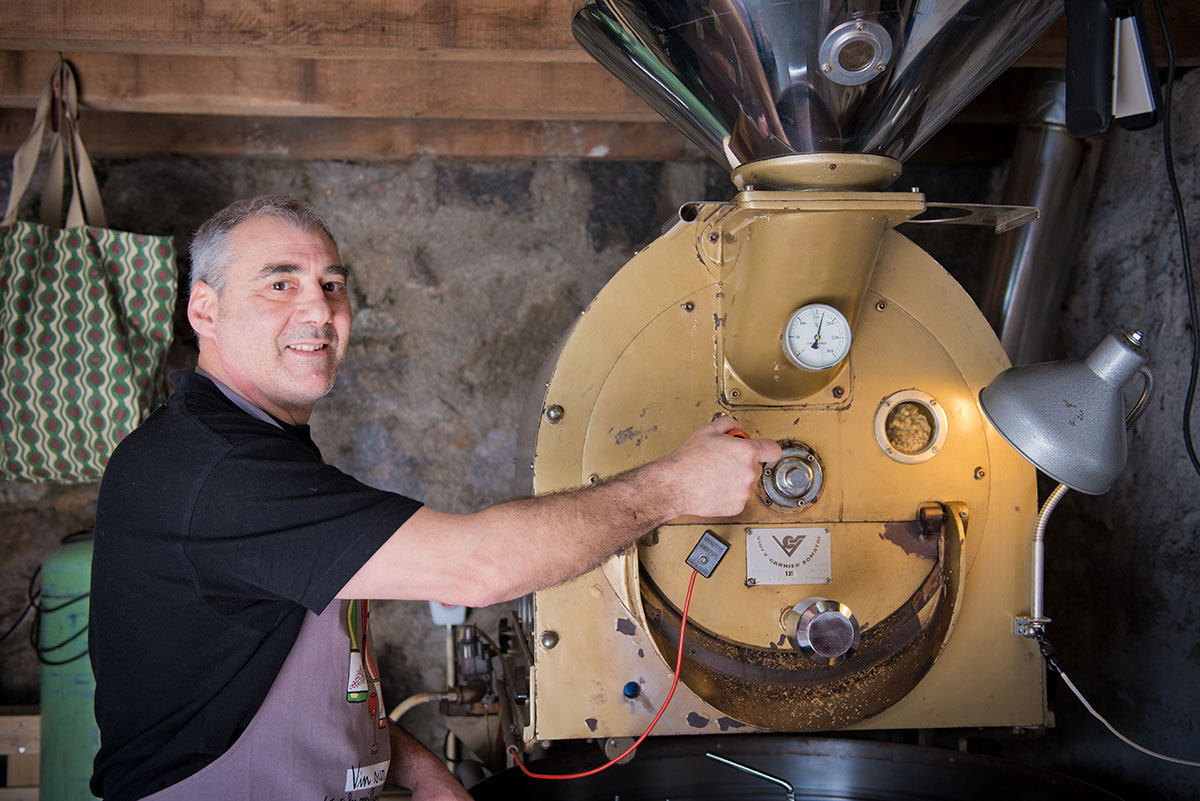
320 734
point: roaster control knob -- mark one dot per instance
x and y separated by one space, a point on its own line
795 480
824 630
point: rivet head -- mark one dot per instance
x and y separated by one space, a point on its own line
880 306
689 306
734 393
714 237
554 413
549 639
979 473
593 478
838 392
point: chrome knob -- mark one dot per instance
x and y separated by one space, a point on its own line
794 480
825 631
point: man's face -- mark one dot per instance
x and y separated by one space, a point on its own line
282 323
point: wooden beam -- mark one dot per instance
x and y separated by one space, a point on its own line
298 28
1183 19
345 88
422 29
332 87
387 79
122 135
439 59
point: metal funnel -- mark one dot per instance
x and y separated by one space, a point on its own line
756 79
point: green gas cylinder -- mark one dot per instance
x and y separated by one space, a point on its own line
70 738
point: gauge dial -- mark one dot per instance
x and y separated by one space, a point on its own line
816 337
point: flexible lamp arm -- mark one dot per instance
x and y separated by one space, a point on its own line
1037 620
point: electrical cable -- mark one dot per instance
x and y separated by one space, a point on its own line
35 634
674 682
1052 663
1189 279
35 603
1118 734
20 619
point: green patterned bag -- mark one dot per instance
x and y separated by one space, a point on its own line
85 314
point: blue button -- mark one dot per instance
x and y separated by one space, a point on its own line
631 690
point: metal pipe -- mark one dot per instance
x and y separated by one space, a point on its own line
1039 552
508 729
787 787
1029 268
450 749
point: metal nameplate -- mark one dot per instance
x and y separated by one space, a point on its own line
788 556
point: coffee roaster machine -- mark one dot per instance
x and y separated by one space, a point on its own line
873 580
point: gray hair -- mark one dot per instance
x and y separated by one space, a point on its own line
211 243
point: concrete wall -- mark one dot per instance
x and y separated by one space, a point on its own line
464 276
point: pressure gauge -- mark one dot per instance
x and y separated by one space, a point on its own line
816 337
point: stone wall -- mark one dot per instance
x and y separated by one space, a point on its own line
1122 568
464 275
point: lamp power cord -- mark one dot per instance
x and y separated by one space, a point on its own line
1051 658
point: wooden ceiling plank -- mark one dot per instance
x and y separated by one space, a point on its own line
123 135
329 87
425 29
311 27
1183 19
357 88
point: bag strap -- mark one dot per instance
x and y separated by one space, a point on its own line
61 94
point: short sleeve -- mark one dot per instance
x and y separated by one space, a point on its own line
272 522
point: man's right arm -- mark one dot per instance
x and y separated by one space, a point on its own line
514 548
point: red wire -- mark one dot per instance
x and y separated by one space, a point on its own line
678 664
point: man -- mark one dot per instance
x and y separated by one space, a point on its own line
231 659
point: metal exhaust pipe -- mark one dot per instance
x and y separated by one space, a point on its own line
1030 266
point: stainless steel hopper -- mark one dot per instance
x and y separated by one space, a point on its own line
756 79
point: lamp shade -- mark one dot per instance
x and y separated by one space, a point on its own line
1067 417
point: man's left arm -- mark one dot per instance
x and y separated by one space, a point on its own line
415 767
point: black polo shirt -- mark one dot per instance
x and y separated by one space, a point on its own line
215 533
